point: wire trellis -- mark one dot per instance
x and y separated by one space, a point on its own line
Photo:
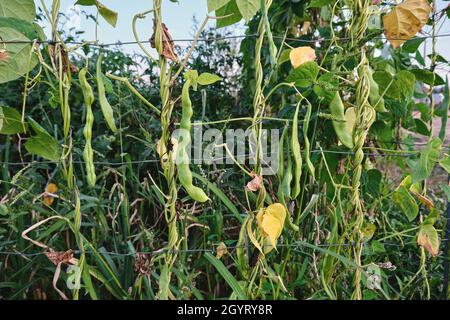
247 156
213 249
214 39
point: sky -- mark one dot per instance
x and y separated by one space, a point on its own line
179 19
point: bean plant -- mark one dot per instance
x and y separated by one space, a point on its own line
102 196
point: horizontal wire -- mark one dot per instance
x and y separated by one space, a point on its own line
212 250
196 160
119 43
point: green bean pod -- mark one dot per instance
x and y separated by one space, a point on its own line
184 140
242 259
88 153
65 105
309 164
104 104
375 99
340 126
287 177
297 154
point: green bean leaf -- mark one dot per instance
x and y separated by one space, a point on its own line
406 202
248 8
216 4
109 15
305 75
20 9
11 121
445 163
232 13
42 144
429 156
19 60
206 79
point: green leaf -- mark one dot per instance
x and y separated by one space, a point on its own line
216 4
29 29
406 202
109 15
12 121
424 76
42 144
429 156
412 45
326 87
432 217
20 61
405 82
227 276
231 9
20 9
305 75
208 78
284 56
421 127
248 8
445 163
372 182
319 3
446 189
387 84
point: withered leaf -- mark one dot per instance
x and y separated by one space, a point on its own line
58 257
405 20
255 184
168 50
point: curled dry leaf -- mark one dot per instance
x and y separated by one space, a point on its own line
60 256
221 250
142 264
255 184
50 190
301 55
167 42
4 56
405 20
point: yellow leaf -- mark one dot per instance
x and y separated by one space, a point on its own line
252 237
301 55
267 245
428 239
50 189
405 20
48 200
259 218
272 226
278 211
